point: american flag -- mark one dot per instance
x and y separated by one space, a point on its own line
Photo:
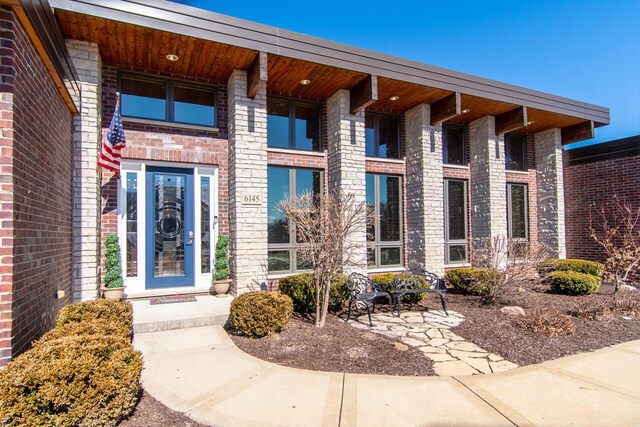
112 145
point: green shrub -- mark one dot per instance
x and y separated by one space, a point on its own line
112 312
71 381
386 279
577 265
88 328
259 313
573 283
221 271
472 280
301 288
113 275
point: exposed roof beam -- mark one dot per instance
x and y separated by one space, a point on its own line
445 108
257 75
578 132
511 120
363 94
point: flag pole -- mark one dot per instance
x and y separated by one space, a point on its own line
118 106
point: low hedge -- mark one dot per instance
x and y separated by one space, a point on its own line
577 265
260 313
113 312
301 288
386 279
573 283
471 280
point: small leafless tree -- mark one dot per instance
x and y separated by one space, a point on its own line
510 264
615 226
324 225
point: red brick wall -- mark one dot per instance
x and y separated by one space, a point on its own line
36 193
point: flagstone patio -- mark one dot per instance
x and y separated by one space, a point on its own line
430 332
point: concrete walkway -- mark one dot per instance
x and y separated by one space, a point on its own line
199 371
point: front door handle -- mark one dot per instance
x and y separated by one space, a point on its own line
190 241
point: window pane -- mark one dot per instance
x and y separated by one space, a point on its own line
143 98
454 144
389 188
205 225
194 106
277 124
279 261
515 152
389 139
369 139
308 181
277 189
307 128
457 253
301 263
371 203
371 256
456 210
389 256
518 218
132 225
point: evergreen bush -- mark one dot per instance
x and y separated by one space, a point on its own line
573 283
577 265
260 313
113 275
221 271
301 288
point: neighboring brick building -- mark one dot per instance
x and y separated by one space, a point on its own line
593 175
223 119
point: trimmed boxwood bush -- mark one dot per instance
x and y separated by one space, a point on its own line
119 314
301 288
386 279
260 313
471 280
573 283
577 265
71 381
88 328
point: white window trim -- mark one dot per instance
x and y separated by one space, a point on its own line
447 241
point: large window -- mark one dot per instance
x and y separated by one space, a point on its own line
382 136
518 222
293 124
454 144
455 221
282 184
515 152
384 196
167 100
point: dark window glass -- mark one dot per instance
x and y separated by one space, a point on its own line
277 189
383 194
132 224
390 256
517 211
307 128
293 125
454 144
515 148
457 253
457 210
146 99
279 261
278 130
205 225
389 141
369 135
194 106
389 190
371 204
371 256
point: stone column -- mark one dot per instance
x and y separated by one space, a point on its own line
346 163
550 188
247 185
488 182
425 191
86 177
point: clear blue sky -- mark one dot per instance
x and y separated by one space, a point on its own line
587 50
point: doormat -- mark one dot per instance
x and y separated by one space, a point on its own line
172 299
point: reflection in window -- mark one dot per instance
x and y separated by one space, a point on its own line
293 124
456 216
382 136
517 209
454 143
384 195
194 106
146 99
515 151
205 224
132 224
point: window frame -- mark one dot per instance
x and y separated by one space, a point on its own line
292 103
377 244
445 147
293 244
510 212
376 134
171 84
507 148
456 242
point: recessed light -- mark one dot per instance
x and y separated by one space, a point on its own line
172 57
465 111
530 122
394 98
305 82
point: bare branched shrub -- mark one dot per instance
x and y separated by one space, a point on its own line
615 226
591 308
514 264
626 304
548 321
325 224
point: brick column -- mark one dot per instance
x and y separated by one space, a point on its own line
488 182
425 191
247 177
346 163
86 178
550 188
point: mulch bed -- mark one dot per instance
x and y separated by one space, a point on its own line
151 413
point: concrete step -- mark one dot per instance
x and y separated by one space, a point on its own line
205 311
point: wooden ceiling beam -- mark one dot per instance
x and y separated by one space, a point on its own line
446 108
257 75
364 93
511 120
578 132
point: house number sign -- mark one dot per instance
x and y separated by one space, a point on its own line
251 199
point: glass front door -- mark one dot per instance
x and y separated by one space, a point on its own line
169 228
